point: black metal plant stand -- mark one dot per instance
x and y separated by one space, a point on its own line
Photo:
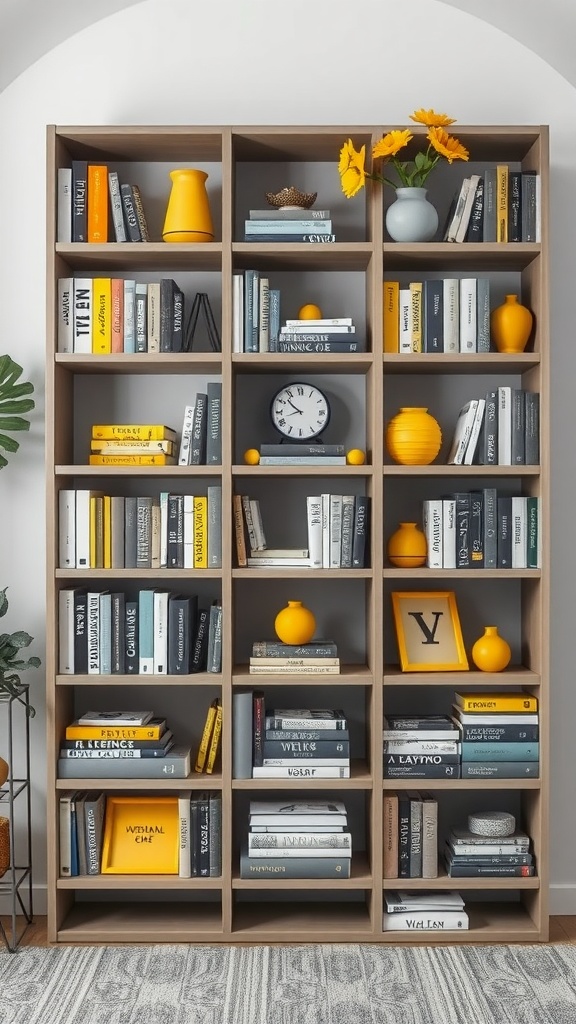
16 883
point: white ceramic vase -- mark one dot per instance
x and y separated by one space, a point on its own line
411 218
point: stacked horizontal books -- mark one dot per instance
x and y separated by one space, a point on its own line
410 835
297 839
272 657
493 531
424 747
302 454
103 754
469 855
123 444
289 225
499 735
424 911
300 744
337 334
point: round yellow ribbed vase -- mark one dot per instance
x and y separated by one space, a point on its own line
491 652
188 217
407 547
295 624
413 437
510 325
4 769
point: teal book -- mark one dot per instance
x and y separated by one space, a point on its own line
502 751
146 632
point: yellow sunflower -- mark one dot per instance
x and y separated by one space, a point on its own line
431 119
351 169
392 143
447 145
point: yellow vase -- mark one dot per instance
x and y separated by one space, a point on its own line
188 217
407 547
413 437
295 624
510 325
4 769
491 652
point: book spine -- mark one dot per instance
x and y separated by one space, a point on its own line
301 772
502 203
433 339
482 704
93 606
476 530
82 329
321 724
214 424
415 836
173 766
242 735
297 867
160 643
214 740
519 532
489 433
199 425
482 314
288 215
64 205
260 748
146 632
514 206
335 530
66 314
361 535
97 213
294 237
528 203
463 503
416 315
199 650
141 315
490 510
317 749
153 317
116 207
429 836
391 316
404 328
79 200
518 428
140 215
500 751
215 647
504 537
489 870
105 634
490 203
431 771
215 834
428 921
178 313
432 515
118 633
297 842
468 314
451 319
132 225
532 428
533 533
276 649
474 231
214 502
66 632
266 225
403 835
449 533
390 827
304 343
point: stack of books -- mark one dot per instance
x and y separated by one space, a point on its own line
123 444
289 225
302 454
499 735
468 855
424 911
297 839
102 755
336 334
272 657
301 744
425 747
410 835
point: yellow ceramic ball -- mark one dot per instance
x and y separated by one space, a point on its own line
310 312
251 456
355 457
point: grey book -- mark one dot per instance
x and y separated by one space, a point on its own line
176 765
214 424
80 833
215 834
242 735
199 424
429 836
482 314
294 867
532 428
144 532
130 532
415 834
518 442
490 507
214 493
312 748
500 770
490 203
94 810
488 445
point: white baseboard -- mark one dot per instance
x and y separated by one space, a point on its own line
563 898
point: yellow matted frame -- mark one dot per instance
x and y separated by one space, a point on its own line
428 631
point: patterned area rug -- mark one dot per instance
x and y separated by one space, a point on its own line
342 984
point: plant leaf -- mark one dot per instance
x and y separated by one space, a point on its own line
13 423
3 602
16 405
9 443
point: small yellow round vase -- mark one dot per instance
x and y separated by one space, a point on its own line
310 311
188 217
491 652
251 456
4 769
295 624
407 547
510 325
413 437
355 457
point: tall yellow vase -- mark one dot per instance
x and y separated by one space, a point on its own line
188 217
511 324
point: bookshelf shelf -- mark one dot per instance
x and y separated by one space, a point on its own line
353 605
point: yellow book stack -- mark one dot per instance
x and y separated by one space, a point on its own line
139 444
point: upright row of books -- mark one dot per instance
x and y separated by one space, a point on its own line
167 531
151 632
502 205
297 839
501 429
482 530
93 205
445 315
410 834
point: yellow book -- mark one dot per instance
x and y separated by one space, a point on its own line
502 203
206 736
102 316
486 702
132 432
107 531
416 315
201 533
391 316
97 206
141 835
150 731
215 741
132 460
118 447
96 532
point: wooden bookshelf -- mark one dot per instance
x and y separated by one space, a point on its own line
242 163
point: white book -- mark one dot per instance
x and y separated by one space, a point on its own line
66 632
402 902
83 315
458 211
264 315
314 519
449 532
426 921
153 316
280 852
163 496
160 632
432 514
93 617
258 524
314 327
67 528
335 530
64 216
510 718
301 773
335 321
474 433
519 532
325 531
405 314
289 811
185 843
468 318
504 425
65 832
250 528
188 531
83 526
129 316
238 313
271 560
306 762
278 832
116 207
451 314
186 436
105 633
66 314
462 432
460 233
115 718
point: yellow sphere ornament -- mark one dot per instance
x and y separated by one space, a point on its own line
355 457
251 456
310 311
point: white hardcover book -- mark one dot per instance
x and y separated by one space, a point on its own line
65 832
153 316
238 313
314 519
163 497
250 528
83 315
449 532
186 436
313 327
258 524
93 616
405 314
116 207
451 314
66 314
458 211
460 233
160 632
505 426
319 772
67 529
281 852
468 319
325 531
130 316
64 215
474 433
432 514
66 632
188 531
185 844
335 321
426 921
264 315
335 530
462 432
105 633
519 532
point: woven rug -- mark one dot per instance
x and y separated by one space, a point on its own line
340 984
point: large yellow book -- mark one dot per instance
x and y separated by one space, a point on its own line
201 533
97 207
141 836
206 737
483 702
502 203
416 315
153 730
132 460
132 432
215 741
391 316
101 316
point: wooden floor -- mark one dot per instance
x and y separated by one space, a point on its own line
562 929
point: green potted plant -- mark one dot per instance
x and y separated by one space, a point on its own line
13 405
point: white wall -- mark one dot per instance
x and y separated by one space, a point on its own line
171 61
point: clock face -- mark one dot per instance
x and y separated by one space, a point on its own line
300 411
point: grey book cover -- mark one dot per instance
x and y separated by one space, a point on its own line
242 735
176 765
214 493
214 424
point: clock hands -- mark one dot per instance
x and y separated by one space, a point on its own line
295 407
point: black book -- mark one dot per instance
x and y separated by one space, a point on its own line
429 771
514 206
315 749
214 424
80 632
79 200
259 745
175 548
490 527
160 745
200 646
505 533
475 229
203 835
476 530
518 443
178 321
433 320
532 428
199 429
182 614
361 532
462 517
130 216
131 659
168 289
419 760
118 601
403 835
